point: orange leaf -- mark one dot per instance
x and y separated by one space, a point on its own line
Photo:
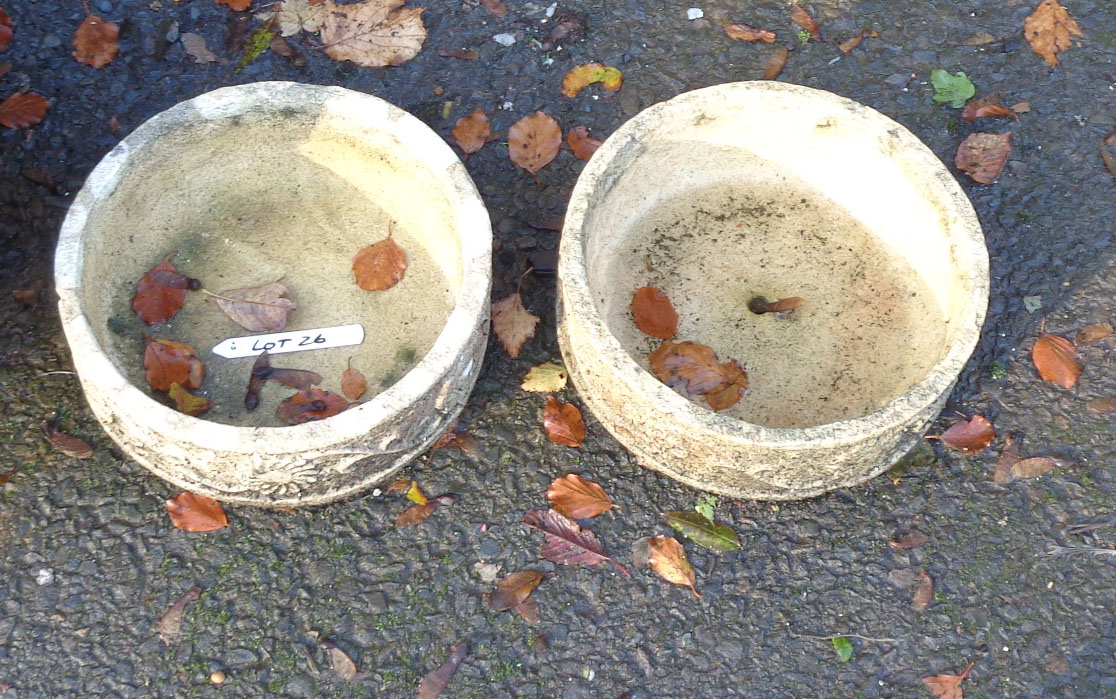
775 62
95 42
533 141
196 513
1009 455
186 402
514 590
667 558
239 5
654 314
563 423
1048 30
471 132
982 155
22 110
746 32
947 686
581 143
849 44
416 514
161 292
496 7
1091 334
586 74
310 404
925 591
353 384
969 437
693 369
985 107
5 29
577 498
803 19
379 266
168 361
513 323
1056 360
65 443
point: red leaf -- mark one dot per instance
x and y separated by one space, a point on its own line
1056 360
566 542
161 292
5 29
692 369
379 266
968 437
168 361
240 5
310 404
196 513
65 443
982 155
581 143
563 423
578 498
95 42
654 313
22 110
985 107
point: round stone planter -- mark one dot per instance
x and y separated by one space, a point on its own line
268 181
744 190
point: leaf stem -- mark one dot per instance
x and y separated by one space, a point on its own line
842 635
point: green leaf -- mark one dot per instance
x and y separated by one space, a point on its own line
706 504
844 648
955 89
257 44
704 532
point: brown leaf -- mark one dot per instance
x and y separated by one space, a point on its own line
735 384
947 686
1021 107
169 625
925 591
168 361
495 7
906 542
529 610
1107 148
513 323
372 34
161 292
1048 30
6 476
851 43
566 542
563 423
1104 406
22 110
987 106
196 513
419 512
654 314
282 47
343 666
380 266
776 61
259 308
693 369
472 132
578 498
1056 360
982 155
310 404
533 141
465 55
667 558
1035 466
194 45
432 685
568 28
65 443
803 19
1091 334
5 29
353 384
581 143
1009 455
186 402
95 42
746 32
968 437
513 590
586 74
238 5
781 308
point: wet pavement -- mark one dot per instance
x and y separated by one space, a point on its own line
91 561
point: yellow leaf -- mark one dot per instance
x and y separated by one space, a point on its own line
415 494
545 378
587 74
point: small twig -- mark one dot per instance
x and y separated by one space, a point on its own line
236 300
1066 550
843 635
52 373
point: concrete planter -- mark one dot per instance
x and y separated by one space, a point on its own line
254 183
768 189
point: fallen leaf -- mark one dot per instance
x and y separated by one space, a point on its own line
415 494
586 74
22 110
803 19
654 314
567 29
667 558
1104 406
851 43
6 476
844 648
465 55
907 542
968 437
1035 466
415 515
982 155
380 266
257 43
1021 107
432 685
529 610
262 371
563 423
169 361
169 625
925 591
67 444
238 5
161 292
95 42
545 378
1056 360
343 666
281 47
781 308
372 34
194 45
310 404
495 7
947 686
988 106
513 590
1010 454
259 308
513 324
979 39
294 16
472 132
1091 334
463 441
400 485
581 143
693 369
1107 148
353 384
954 89
533 141
6 28
566 542
746 32
1048 30
578 498
196 513
186 402
703 531
776 61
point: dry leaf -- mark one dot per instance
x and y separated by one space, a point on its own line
529 610
1092 334
169 625
1104 406
982 155
1056 360
6 476
294 16
925 591
415 514
1107 146
95 42
667 558
353 384
237 5
513 590
415 494
258 309
578 498
746 32
1010 454
465 55
947 686
65 443
380 266
262 371
472 132
907 542
343 666
968 437
988 106
654 314
5 29
703 530
533 141
1048 30
581 143
196 513
373 33
693 369
566 542
776 61
513 323
168 361
432 685
567 29
1021 107
22 110
463 441
310 404
194 45
545 378
1035 466
186 402
586 74
803 19
496 7
563 423
161 292
851 43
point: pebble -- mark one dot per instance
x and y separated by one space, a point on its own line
103 6
45 576
694 13
240 657
504 39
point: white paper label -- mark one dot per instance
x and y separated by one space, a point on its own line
291 341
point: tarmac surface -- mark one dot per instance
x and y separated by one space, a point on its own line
90 559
